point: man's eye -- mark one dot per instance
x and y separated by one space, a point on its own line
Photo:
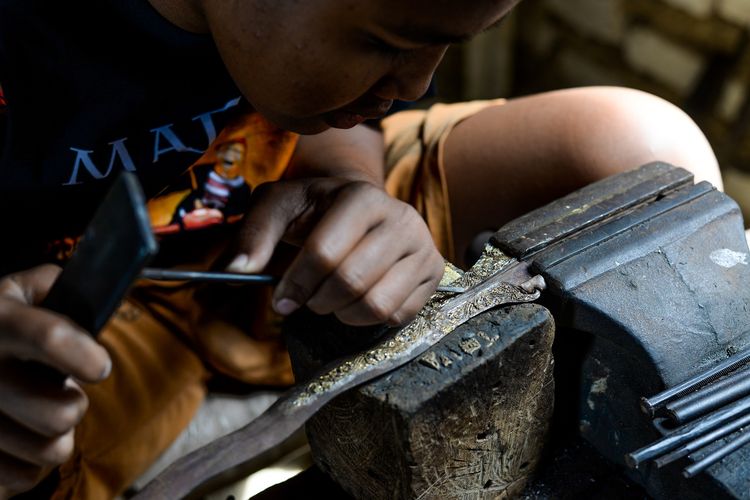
384 47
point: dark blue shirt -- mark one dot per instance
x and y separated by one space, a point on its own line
94 87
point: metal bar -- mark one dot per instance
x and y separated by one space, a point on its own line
702 441
712 458
236 278
654 403
688 432
710 397
181 275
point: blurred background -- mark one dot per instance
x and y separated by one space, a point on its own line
694 53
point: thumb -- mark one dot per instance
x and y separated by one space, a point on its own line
32 285
273 207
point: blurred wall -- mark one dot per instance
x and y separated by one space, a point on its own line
695 53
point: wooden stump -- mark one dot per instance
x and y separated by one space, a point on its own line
468 419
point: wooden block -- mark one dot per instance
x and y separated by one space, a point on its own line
468 419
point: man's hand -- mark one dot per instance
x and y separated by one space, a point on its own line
364 256
38 412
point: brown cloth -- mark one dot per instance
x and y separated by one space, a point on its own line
167 341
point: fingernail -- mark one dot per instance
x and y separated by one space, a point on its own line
239 264
107 370
286 306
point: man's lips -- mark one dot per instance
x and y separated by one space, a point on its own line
351 116
371 112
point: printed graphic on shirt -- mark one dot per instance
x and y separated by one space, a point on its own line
88 164
216 189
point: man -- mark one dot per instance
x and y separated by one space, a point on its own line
99 86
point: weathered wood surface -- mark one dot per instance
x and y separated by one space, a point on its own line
466 420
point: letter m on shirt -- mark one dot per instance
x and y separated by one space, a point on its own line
83 159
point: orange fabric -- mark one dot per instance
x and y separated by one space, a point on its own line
268 150
167 340
414 143
156 385
232 329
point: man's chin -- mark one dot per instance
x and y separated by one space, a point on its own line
302 126
306 127
315 124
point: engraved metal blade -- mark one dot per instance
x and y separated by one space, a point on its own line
493 281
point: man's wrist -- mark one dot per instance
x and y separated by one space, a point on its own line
356 154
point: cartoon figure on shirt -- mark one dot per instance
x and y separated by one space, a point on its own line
223 193
215 190
225 177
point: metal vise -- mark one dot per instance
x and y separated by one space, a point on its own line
649 283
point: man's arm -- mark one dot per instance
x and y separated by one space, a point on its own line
355 154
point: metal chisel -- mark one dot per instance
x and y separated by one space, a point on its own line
236 278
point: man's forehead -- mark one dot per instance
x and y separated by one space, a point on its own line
444 21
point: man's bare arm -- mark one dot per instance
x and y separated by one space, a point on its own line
355 154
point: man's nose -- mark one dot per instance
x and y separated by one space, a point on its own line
411 76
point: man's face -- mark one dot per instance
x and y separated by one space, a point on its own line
314 64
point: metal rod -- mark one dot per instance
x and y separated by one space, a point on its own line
688 432
652 404
703 441
180 275
237 278
712 458
710 397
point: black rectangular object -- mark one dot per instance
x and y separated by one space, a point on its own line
116 245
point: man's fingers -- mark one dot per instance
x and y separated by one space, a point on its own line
47 408
351 279
30 286
30 333
17 476
21 443
273 207
410 307
357 209
357 240
398 296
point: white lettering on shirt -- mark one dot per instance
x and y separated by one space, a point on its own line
83 157
207 121
165 140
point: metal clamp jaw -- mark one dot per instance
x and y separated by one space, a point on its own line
639 288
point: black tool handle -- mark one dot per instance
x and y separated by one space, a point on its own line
117 244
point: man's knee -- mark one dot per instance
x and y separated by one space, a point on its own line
637 127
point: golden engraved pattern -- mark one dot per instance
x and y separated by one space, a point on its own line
492 261
434 321
500 293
